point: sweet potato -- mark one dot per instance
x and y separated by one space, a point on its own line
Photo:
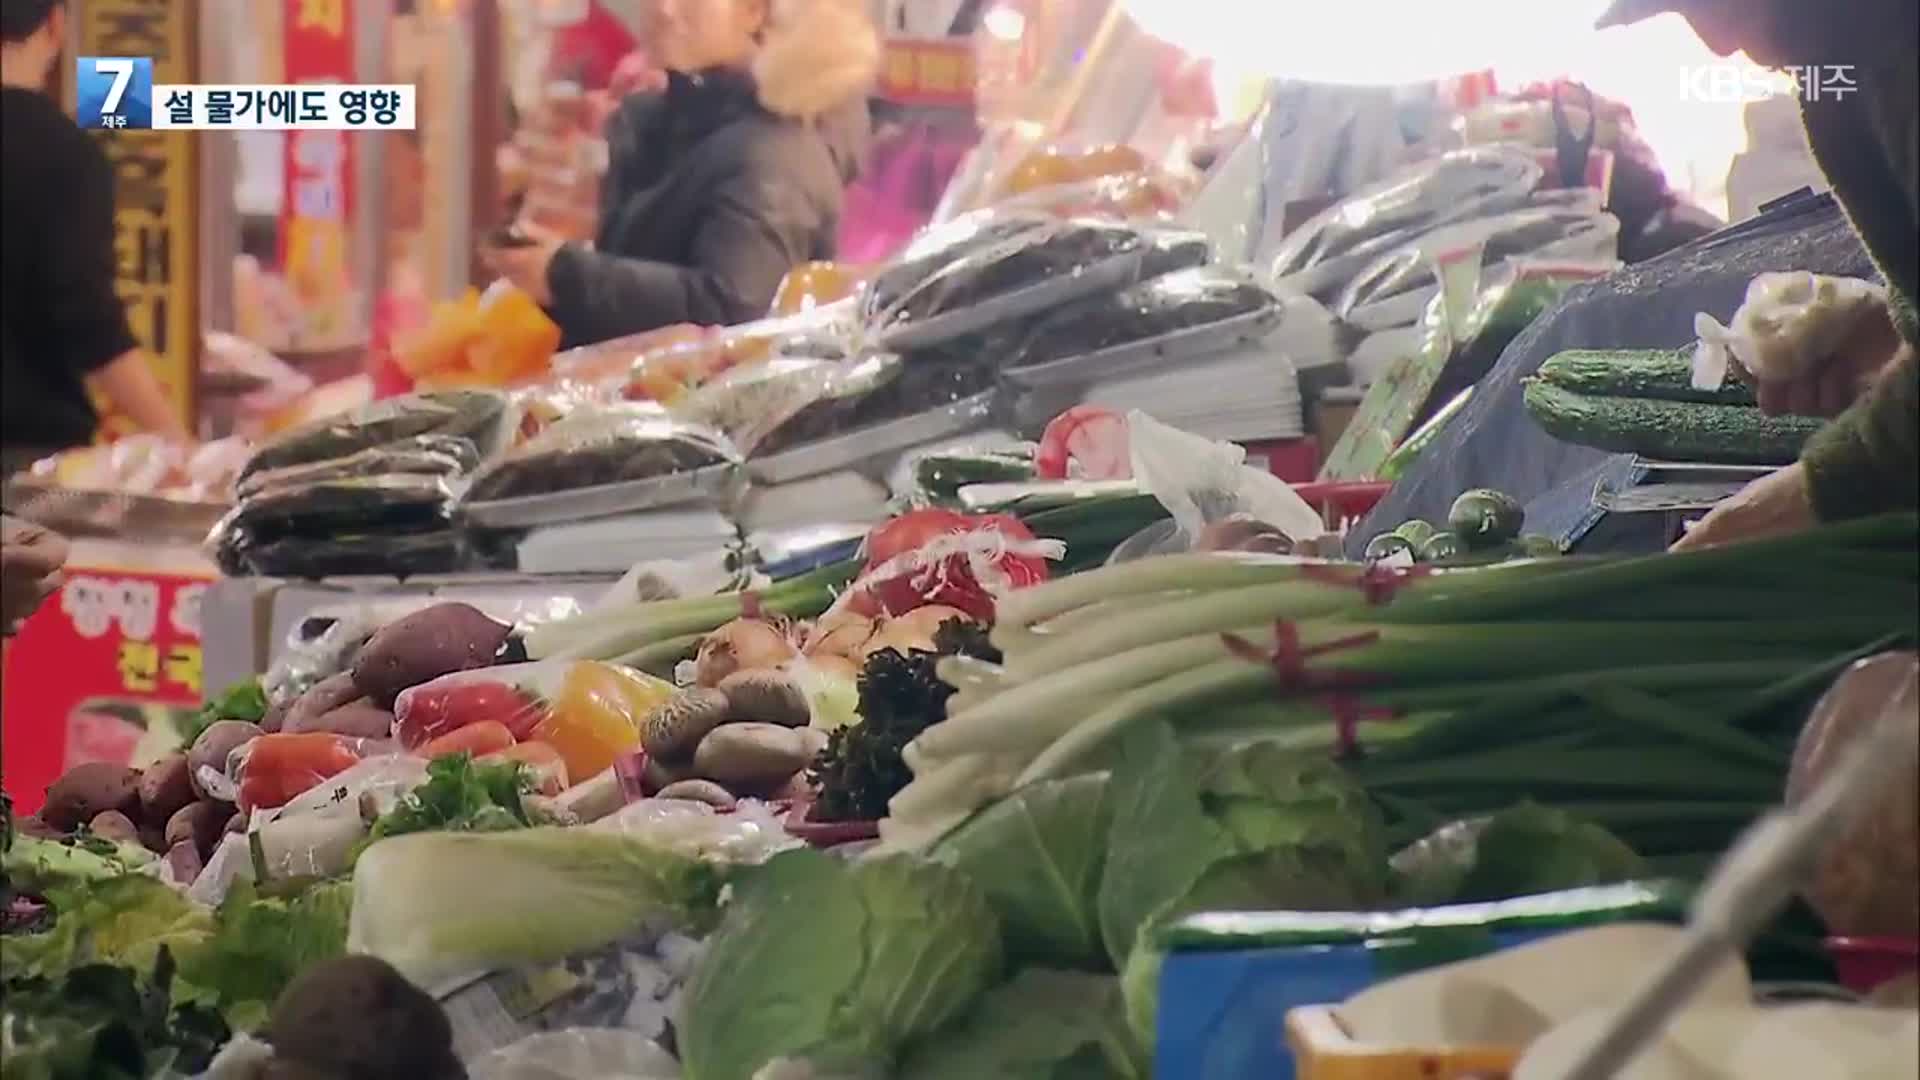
360 718
200 823
115 826
215 745
165 787
89 790
425 645
321 698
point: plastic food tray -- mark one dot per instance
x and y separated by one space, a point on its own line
884 441
715 484
1109 274
76 512
1134 357
1322 1050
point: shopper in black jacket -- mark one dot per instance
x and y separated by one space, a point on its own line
721 184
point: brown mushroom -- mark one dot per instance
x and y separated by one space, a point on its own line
672 731
765 697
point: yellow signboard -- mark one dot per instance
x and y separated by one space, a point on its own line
156 204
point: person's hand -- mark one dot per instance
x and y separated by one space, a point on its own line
1777 503
526 265
1836 381
31 559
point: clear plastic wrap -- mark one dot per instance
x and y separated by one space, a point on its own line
1787 323
1202 482
393 524
587 712
1135 197
749 834
580 1053
1561 225
482 417
272 770
1333 245
1016 273
1153 310
599 446
446 456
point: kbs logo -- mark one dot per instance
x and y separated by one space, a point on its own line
114 92
1736 84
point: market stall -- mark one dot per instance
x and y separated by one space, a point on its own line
961 672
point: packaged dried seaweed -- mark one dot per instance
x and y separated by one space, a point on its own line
478 416
1151 310
419 455
600 445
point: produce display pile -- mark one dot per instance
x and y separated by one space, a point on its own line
647 808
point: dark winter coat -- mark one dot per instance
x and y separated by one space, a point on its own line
710 198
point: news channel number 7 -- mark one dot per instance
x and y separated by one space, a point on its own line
117 93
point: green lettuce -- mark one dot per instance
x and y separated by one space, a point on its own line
103 1022
460 795
437 905
1258 826
1042 1025
837 963
1038 854
124 920
260 943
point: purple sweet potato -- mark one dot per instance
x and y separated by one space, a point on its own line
423 646
360 719
215 745
201 824
115 826
321 698
165 787
89 790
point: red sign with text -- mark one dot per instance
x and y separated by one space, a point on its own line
317 197
98 674
928 72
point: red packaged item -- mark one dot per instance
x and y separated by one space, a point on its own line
1085 443
481 739
543 762
501 695
274 769
951 559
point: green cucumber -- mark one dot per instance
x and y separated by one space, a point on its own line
1440 547
1415 532
1485 519
1387 545
1669 430
1660 374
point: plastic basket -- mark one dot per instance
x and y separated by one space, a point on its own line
1322 1050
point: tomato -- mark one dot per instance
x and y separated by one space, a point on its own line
543 762
481 739
952 582
431 711
1093 438
281 766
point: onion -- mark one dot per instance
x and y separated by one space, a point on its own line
741 645
1867 881
838 633
912 631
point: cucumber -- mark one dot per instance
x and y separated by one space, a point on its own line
1440 547
1662 374
1669 430
1415 532
1387 545
1484 519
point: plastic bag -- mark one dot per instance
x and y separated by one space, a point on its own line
1156 308
666 372
477 415
597 446
1787 323
935 477
625 994
1200 481
588 712
1135 197
1338 242
578 1054
272 770
1392 290
928 301
446 456
342 527
749 834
